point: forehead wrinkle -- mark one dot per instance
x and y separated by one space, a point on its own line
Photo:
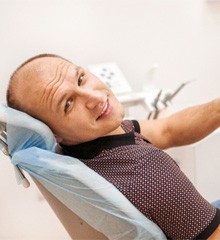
58 85
54 84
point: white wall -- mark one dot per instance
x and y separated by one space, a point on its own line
181 36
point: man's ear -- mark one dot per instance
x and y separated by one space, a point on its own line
58 139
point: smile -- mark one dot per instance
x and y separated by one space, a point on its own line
104 110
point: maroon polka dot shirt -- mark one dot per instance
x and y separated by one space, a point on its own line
151 180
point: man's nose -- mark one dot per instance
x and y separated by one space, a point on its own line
92 98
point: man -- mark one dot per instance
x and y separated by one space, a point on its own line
87 121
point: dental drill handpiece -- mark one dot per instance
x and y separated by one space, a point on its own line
171 96
155 105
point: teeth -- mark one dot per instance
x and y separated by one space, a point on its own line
104 109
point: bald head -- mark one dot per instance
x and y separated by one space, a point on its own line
25 79
74 103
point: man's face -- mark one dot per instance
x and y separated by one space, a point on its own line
74 103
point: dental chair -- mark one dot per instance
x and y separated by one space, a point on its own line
88 206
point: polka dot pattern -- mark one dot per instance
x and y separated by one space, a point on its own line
154 183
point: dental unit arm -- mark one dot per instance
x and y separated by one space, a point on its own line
163 100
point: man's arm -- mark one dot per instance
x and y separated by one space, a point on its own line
216 234
182 128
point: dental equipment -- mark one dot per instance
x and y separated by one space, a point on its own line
161 101
170 96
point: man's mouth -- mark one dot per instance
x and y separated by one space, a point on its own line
104 110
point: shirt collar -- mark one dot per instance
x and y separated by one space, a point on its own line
92 148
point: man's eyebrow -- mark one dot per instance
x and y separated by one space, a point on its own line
77 68
61 99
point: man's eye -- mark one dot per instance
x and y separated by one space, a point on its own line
80 80
68 104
